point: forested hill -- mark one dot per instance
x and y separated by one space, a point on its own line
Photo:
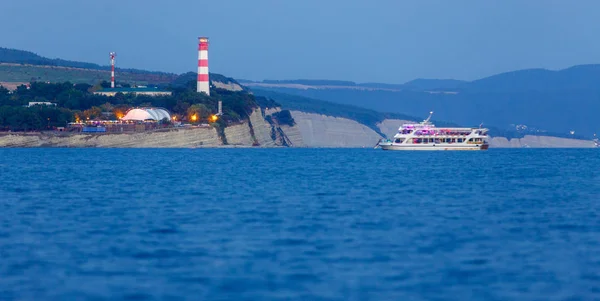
16 56
19 66
78 102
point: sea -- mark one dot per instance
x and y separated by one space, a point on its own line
299 224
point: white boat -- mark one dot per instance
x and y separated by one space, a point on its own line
426 136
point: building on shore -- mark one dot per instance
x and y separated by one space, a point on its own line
149 91
135 120
40 103
146 113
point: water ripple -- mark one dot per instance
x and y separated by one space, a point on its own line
298 224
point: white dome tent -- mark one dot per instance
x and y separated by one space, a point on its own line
141 114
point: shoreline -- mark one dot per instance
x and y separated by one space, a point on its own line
207 137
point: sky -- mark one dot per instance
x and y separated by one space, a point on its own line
387 41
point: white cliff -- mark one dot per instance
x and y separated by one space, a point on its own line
316 130
194 137
239 134
389 127
540 142
262 129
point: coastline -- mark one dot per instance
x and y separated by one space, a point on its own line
207 137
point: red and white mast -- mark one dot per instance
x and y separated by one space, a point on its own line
203 82
112 69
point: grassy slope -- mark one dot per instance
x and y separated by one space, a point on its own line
27 73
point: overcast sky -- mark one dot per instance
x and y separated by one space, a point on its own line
390 41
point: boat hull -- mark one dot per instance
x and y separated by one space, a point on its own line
436 147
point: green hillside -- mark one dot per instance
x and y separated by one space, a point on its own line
24 66
56 74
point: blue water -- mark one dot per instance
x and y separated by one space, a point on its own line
299 224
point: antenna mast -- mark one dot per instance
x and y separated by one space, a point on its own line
428 118
112 69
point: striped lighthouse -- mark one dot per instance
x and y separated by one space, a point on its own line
203 83
112 69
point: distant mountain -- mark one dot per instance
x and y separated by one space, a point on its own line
434 84
576 78
417 84
370 118
310 82
542 101
382 86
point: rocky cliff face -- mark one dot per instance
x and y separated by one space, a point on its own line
227 86
316 130
239 134
262 130
389 127
194 137
257 132
254 132
540 142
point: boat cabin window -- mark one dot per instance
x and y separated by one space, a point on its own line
399 140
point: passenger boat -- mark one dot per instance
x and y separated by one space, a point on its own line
426 136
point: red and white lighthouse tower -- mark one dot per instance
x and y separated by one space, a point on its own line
112 69
203 82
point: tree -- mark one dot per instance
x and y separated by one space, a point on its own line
181 107
4 96
92 113
107 107
120 97
199 110
165 121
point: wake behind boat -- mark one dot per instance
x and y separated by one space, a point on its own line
426 136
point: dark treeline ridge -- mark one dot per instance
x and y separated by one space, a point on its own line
78 102
315 82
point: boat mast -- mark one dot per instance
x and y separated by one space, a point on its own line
426 121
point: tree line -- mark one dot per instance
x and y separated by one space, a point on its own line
77 102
